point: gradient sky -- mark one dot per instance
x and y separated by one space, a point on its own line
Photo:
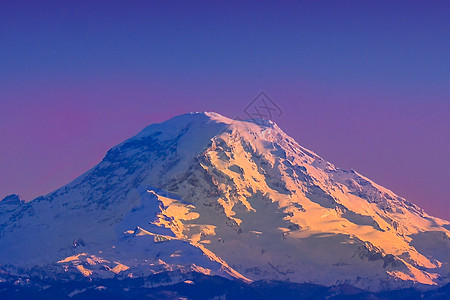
365 84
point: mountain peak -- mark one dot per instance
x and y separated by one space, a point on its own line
11 199
238 199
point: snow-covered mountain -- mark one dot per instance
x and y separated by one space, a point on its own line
204 193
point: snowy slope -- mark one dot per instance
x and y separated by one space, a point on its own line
201 192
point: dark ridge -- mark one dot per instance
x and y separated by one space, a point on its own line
199 286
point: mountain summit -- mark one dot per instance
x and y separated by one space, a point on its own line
238 199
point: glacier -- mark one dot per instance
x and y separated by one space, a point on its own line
241 200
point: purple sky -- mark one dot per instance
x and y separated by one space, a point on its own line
366 86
